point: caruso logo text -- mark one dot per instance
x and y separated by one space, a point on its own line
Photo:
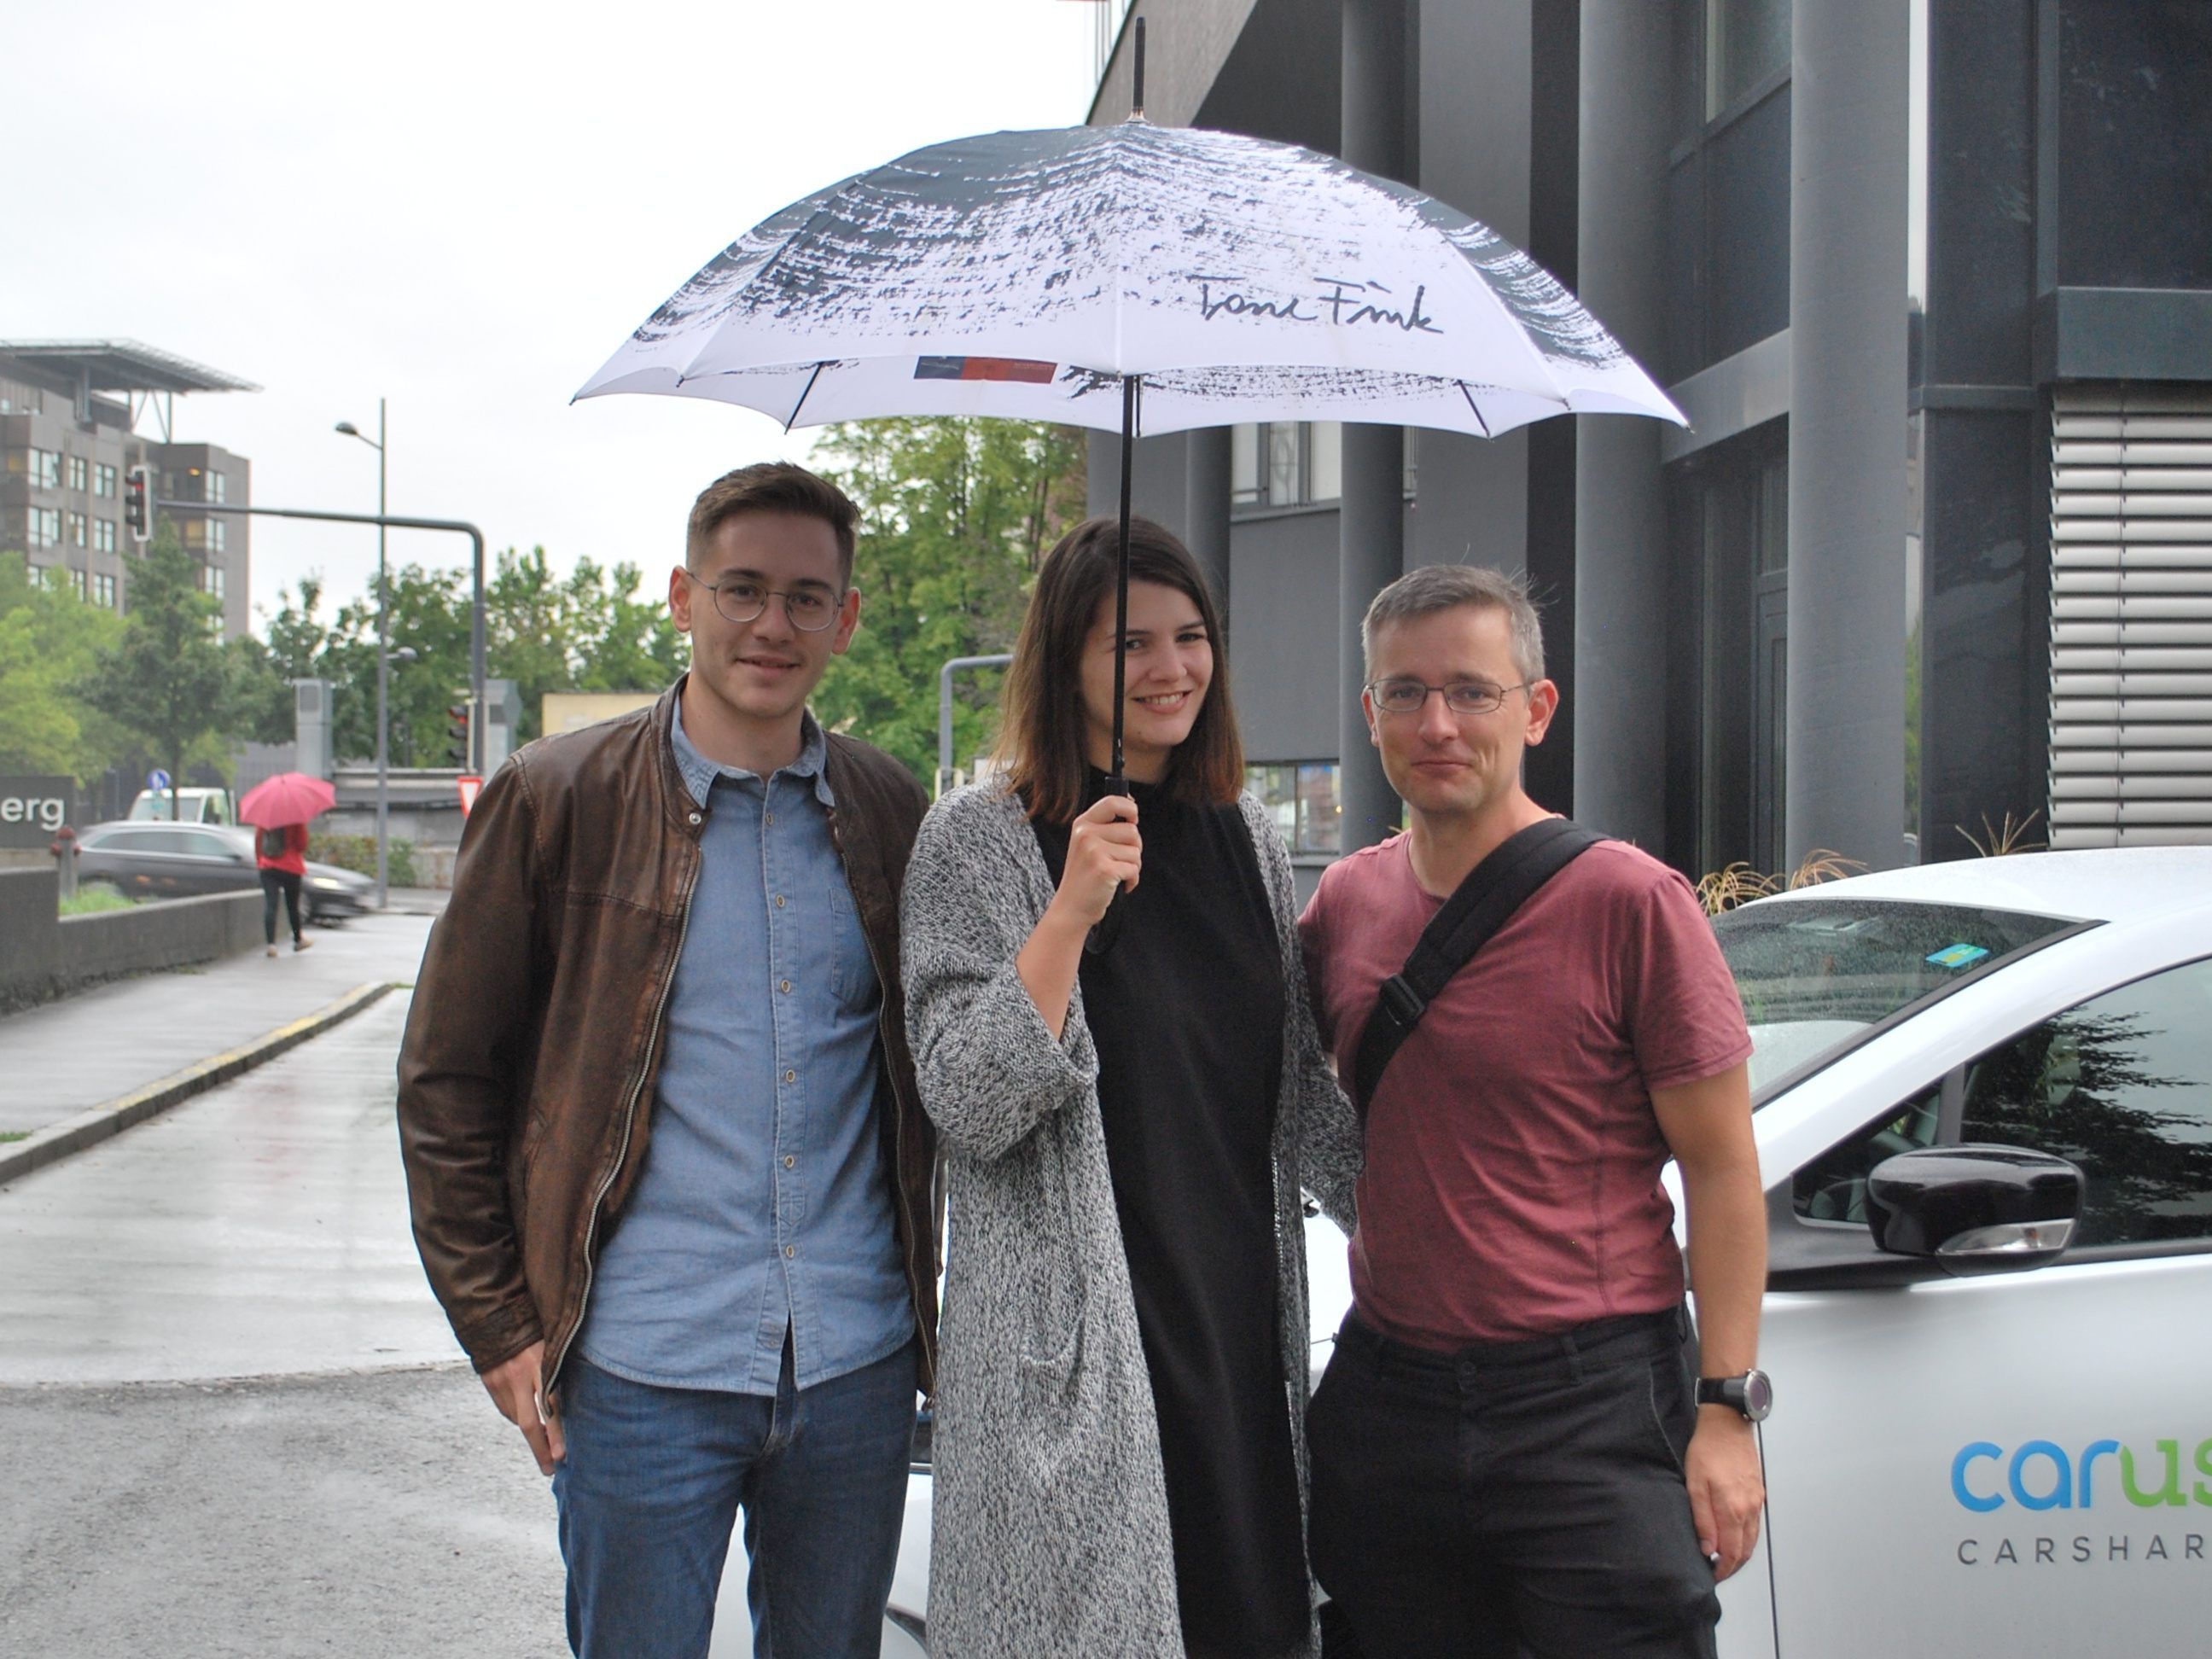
2041 1475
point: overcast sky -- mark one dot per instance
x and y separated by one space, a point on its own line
462 207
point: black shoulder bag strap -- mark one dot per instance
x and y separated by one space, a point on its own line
1485 903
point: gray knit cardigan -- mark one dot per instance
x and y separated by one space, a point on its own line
1050 1520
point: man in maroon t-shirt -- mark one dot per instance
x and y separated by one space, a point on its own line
1509 1455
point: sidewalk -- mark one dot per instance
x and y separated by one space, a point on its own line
60 1058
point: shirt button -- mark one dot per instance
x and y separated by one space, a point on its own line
778 901
791 1076
784 986
790 1163
790 1250
771 818
694 817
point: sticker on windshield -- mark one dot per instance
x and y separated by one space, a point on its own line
1957 956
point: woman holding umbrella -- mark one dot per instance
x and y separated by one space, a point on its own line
279 809
1120 1455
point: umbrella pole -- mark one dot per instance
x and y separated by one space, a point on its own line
1102 937
1118 783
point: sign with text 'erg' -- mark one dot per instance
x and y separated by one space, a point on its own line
33 808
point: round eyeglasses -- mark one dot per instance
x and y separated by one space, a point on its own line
1408 697
743 599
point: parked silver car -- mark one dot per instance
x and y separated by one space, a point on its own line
149 859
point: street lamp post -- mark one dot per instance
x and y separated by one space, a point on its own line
383 668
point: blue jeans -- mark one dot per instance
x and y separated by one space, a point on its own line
653 1481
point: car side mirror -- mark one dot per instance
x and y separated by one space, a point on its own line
1974 1208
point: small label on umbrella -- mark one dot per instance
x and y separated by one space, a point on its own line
985 368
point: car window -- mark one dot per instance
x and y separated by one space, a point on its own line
2121 1087
1819 975
202 845
133 840
1832 1186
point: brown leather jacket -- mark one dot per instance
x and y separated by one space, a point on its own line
526 1078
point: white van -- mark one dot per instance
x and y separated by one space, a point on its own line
194 806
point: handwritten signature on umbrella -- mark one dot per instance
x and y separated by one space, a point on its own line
1342 306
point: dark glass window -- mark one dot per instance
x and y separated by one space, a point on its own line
1747 228
2135 143
1746 41
1727 187
2122 1086
1305 800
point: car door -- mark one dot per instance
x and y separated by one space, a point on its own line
201 861
106 858
2013 1462
156 870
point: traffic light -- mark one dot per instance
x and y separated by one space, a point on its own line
138 512
458 751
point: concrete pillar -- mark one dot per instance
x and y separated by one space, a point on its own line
1206 509
1620 507
1371 523
1845 700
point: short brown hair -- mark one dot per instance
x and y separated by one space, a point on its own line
773 487
1041 735
1435 588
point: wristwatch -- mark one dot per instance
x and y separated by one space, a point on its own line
1751 1394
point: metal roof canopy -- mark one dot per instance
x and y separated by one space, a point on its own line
123 366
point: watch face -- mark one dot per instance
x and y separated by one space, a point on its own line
1758 1396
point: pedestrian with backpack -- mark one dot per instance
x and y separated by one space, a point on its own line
282 854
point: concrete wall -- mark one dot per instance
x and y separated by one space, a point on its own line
44 955
28 948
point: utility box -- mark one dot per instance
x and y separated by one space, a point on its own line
311 721
502 715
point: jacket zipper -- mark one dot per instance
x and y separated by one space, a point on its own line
898 1106
622 1148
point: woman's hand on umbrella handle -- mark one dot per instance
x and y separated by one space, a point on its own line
1105 855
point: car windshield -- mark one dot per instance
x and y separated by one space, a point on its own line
1817 975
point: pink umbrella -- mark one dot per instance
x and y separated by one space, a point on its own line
287 798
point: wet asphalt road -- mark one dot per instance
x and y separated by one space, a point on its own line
232 1419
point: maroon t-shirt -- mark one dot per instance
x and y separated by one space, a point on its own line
1512 1180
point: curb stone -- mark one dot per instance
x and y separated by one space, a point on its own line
111 1118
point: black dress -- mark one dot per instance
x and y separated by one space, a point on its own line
1187 1013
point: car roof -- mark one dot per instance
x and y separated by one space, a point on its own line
2106 883
163 827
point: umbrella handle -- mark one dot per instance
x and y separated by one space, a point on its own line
1108 928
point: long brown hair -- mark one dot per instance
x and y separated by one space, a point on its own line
1041 733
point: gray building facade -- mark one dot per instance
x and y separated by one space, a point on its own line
66 443
1934 284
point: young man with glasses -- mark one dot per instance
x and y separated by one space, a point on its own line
1509 1454
670 1173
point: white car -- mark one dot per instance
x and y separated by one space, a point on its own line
1993 1437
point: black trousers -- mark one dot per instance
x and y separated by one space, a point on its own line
274 882
1514 1498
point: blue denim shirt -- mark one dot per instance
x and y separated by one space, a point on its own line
764 1203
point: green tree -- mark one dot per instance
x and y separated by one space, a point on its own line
626 638
167 678
49 640
956 515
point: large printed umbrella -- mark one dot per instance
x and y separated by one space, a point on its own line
289 797
1134 277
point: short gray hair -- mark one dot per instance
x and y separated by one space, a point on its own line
1435 588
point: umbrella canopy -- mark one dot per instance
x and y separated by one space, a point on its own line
289 797
1206 277
1028 274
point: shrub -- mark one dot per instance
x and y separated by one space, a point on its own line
358 852
91 901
